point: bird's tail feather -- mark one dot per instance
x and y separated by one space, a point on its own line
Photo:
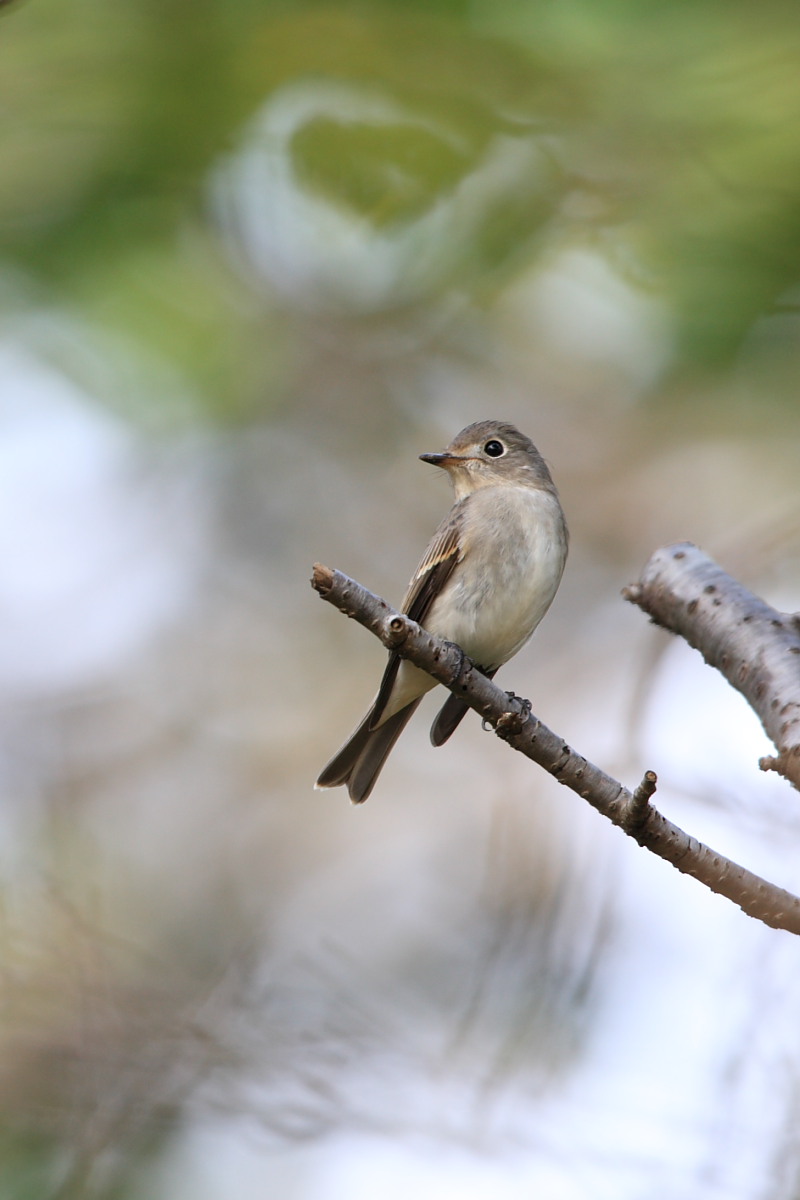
360 760
451 714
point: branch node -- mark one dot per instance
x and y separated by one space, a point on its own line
781 763
561 763
513 721
509 724
637 808
397 630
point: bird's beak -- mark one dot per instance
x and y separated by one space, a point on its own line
443 459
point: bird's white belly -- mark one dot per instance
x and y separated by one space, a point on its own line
495 599
516 549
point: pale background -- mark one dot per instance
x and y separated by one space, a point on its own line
254 259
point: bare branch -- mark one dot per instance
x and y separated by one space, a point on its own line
754 646
513 721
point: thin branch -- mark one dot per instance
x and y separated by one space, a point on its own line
512 720
756 647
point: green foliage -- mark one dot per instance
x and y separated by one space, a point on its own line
392 172
668 130
27 1171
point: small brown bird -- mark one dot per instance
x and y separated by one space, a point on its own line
486 580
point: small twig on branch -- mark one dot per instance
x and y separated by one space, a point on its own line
512 720
756 647
636 812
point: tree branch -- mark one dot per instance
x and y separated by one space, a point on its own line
754 646
513 721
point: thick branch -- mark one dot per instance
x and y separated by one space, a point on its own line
754 646
513 721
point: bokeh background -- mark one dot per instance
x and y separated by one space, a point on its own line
254 258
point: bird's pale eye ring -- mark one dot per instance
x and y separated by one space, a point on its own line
494 448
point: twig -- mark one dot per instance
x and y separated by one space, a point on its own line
637 811
512 720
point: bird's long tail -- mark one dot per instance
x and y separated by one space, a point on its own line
360 760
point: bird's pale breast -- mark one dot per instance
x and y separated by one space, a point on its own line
514 552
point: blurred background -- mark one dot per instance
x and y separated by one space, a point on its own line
255 257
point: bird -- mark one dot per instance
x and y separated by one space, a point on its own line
486 580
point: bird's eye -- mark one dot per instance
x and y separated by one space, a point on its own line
494 448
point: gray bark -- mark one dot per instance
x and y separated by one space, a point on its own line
512 720
756 647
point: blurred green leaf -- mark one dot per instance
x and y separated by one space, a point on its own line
384 173
669 128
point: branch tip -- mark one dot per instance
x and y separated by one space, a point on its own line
321 578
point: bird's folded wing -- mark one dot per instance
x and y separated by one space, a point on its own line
429 579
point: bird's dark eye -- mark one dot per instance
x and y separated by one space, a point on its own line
494 448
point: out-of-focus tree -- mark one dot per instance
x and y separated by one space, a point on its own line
250 254
473 143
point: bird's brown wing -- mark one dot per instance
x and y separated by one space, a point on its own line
429 578
436 567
